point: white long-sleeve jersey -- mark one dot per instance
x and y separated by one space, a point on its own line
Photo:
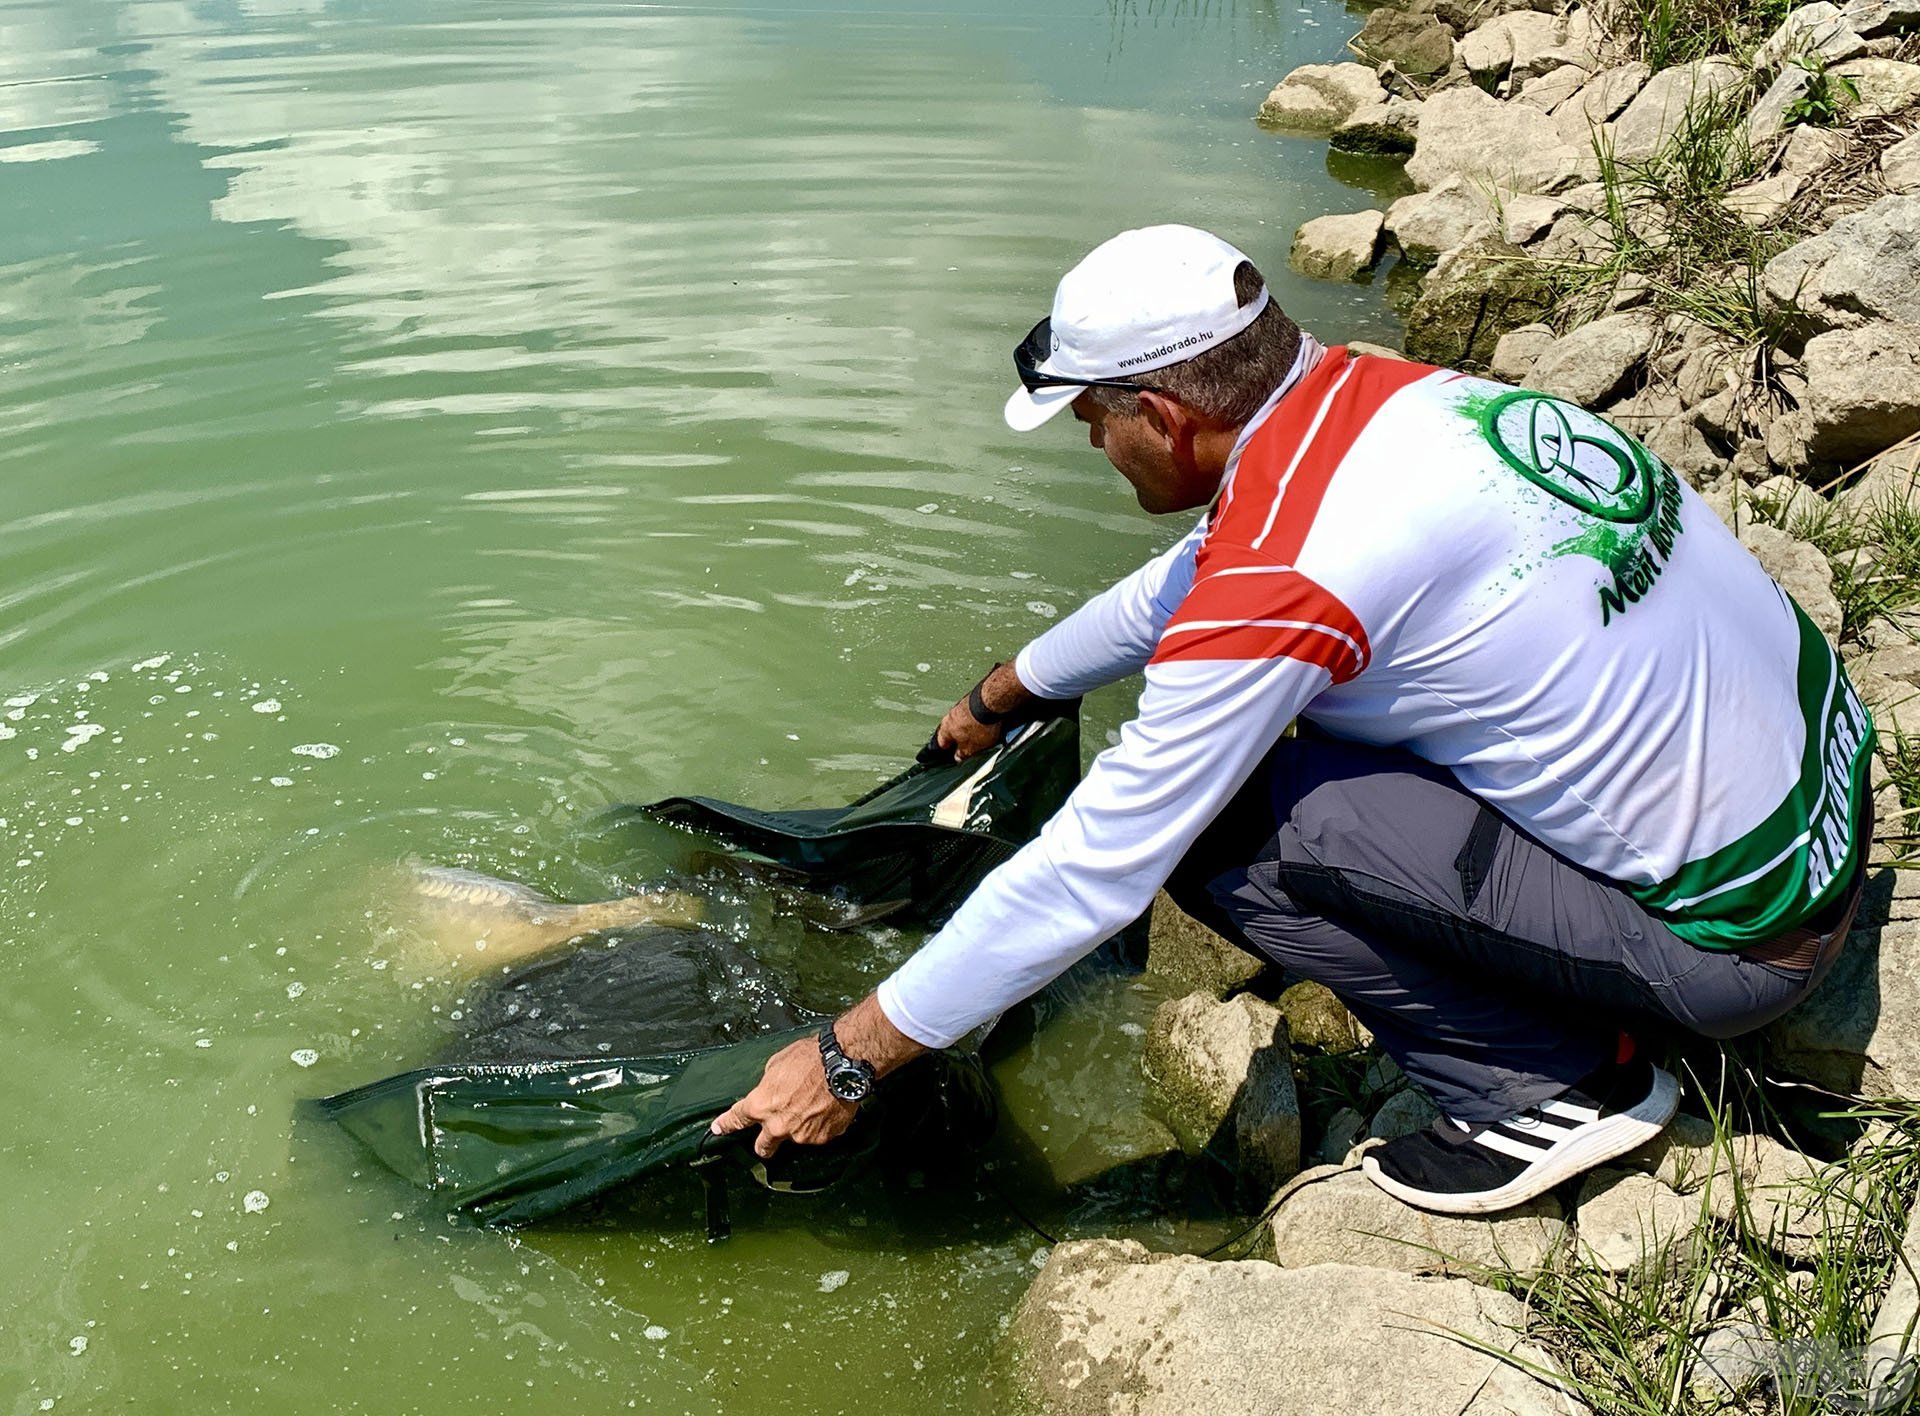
1497 581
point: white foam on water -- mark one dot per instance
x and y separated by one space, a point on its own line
303 1056
267 705
280 781
77 1345
834 1280
294 990
656 1333
79 733
255 1201
319 750
148 665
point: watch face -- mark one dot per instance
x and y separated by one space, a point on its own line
849 1083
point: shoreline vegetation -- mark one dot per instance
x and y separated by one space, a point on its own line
1701 219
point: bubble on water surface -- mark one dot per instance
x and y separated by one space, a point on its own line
320 750
1042 609
147 665
295 989
304 1056
835 1279
77 1345
79 733
255 1201
656 1333
280 781
267 705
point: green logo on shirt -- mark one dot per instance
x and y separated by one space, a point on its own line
1585 462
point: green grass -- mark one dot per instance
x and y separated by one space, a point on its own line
1662 33
1626 1345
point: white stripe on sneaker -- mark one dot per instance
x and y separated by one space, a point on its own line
1529 1151
1571 1110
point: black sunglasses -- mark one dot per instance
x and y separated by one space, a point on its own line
1031 351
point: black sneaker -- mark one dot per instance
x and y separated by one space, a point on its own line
1460 1169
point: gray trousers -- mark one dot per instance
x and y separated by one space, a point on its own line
1494 972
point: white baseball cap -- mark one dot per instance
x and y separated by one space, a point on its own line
1145 299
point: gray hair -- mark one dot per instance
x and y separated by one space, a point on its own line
1227 383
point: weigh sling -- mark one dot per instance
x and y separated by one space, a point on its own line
587 1069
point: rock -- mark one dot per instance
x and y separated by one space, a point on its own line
1732 1360
1680 444
1900 165
1527 218
1492 51
1514 355
1865 266
1187 953
1317 98
1426 225
1890 1369
1768 116
1337 247
1657 110
1222 1076
1109 1329
1761 203
1800 569
1416 45
1811 150
1883 86
1548 91
1377 351
1629 1223
1317 1018
1874 18
1477 293
1860 1029
1578 238
1402 1114
1818 29
1346 1219
1594 363
1890 479
1863 390
1600 101
1792 1204
1388 129
1505 145
1345 1130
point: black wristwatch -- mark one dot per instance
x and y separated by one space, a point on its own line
847 1079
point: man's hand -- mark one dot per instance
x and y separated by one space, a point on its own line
792 1102
964 735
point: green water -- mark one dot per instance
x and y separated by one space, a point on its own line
422 425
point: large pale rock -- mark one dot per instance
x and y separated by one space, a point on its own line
1388 129
1515 39
1860 1030
1628 1222
1417 45
1402 1114
1874 18
1900 165
1426 225
1185 952
1477 292
1317 98
1864 267
1891 1369
1598 102
1221 1074
1514 355
1346 1219
1800 569
1732 1360
1526 218
1883 86
1820 29
1592 364
1863 390
1811 150
1658 110
1507 145
1109 1329
1768 116
1891 479
1341 247
1548 91
1763 202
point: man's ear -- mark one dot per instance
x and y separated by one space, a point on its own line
1166 416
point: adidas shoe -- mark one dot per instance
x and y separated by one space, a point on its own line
1460 1169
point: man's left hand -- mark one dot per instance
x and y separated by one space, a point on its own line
791 1103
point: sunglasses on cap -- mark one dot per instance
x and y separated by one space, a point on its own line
1029 352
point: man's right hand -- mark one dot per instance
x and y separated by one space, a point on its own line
963 734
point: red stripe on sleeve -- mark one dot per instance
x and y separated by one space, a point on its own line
1253 609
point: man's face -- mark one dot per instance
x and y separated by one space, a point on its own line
1143 455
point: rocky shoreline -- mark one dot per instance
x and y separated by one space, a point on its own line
1710 234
